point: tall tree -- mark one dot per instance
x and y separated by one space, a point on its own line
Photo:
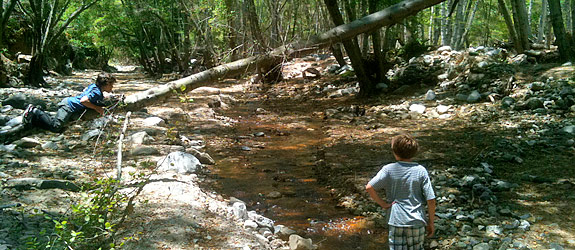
521 23
510 26
565 49
353 51
47 20
5 13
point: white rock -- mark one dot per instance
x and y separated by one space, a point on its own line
154 121
442 109
140 138
444 48
418 108
430 95
240 210
250 224
179 162
261 220
297 242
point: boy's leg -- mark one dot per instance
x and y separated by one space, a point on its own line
396 238
45 121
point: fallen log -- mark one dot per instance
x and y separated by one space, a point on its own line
386 17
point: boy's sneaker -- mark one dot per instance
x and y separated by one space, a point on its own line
27 115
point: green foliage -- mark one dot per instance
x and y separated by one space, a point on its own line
92 221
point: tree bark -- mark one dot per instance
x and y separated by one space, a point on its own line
565 50
4 15
352 49
254 25
510 26
542 21
379 19
521 23
461 41
445 24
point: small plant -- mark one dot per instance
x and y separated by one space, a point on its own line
92 221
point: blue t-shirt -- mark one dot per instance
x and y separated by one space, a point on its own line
94 94
408 185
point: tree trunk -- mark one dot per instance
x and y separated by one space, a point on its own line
542 21
461 41
521 23
459 24
376 40
565 50
572 2
510 26
254 25
4 15
338 54
340 33
353 51
445 24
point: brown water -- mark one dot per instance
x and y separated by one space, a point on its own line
282 160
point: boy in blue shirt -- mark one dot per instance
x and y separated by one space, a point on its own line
91 98
407 189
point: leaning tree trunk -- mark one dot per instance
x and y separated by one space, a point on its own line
353 51
340 33
565 50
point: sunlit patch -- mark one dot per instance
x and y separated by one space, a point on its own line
343 226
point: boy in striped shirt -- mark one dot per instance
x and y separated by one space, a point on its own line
407 189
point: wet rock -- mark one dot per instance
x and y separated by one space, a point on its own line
144 150
179 162
461 97
154 121
297 242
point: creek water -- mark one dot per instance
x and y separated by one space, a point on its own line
277 153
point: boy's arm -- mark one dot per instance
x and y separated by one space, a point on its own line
431 214
86 102
373 194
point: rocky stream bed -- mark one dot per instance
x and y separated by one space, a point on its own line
497 135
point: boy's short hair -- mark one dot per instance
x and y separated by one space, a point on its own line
105 79
404 146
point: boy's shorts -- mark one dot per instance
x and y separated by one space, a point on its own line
406 238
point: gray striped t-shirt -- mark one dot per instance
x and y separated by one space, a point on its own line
408 185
